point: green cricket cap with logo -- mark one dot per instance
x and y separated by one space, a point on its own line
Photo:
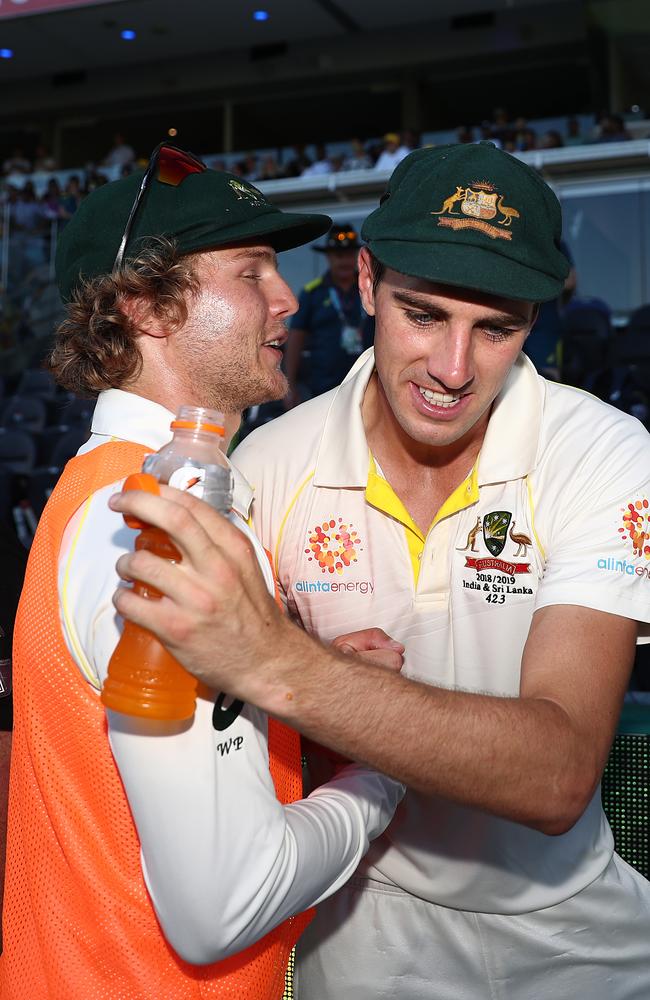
208 210
473 216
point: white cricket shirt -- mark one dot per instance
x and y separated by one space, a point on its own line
555 511
223 860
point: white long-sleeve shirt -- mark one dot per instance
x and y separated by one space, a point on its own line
223 860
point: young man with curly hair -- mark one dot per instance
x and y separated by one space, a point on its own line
160 860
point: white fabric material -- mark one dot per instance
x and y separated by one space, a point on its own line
564 467
374 942
223 860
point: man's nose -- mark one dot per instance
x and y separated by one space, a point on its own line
451 361
282 300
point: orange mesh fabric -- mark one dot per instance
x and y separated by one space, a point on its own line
78 923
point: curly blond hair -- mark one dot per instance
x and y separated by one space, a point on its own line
95 346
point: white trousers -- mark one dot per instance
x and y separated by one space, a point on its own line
373 942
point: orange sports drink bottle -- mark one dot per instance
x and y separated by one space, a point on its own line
143 677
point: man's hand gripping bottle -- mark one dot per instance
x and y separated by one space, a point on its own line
143 677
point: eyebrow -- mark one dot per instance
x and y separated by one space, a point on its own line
253 253
426 305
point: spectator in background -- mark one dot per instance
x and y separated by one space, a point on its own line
487 133
71 198
392 153
17 163
410 140
464 134
249 168
574 136
321 164
299 162
330 322
51 200
270 169
43 160
358 158
27 212
612 129
120 154
551 140
94 179
543 343
501 127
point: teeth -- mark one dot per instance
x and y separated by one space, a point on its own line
439 398
273 343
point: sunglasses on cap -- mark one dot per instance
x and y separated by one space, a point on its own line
169 165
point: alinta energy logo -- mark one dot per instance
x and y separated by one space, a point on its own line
636 527
634 532
334 547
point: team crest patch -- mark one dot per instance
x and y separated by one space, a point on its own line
495 527
333 545
247 192
479 203
636 527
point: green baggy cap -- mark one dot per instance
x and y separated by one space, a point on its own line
471 216
207 210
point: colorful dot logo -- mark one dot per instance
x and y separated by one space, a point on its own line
636 527
333 545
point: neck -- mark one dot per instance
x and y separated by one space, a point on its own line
422 475
173 393
345 284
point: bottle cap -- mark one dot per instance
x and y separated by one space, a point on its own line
139 481
199 418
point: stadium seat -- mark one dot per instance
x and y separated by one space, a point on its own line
585 344
36 382
639 322
17 450
77 412
55 445
24 412
39 487
67 446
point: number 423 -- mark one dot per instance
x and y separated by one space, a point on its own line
495 598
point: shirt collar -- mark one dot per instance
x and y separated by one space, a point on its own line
509 449
129 417
508 452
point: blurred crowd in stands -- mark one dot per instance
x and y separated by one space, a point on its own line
514 135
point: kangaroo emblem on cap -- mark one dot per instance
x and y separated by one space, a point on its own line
479 203
248 193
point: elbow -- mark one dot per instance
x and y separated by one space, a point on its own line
200 945
563 804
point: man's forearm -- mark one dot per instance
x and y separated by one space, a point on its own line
513 757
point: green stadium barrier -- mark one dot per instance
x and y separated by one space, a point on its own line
626 787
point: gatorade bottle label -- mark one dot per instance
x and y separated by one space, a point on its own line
190 479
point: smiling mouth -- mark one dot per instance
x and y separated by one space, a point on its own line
444 399
277 342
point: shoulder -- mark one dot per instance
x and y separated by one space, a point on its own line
311 286
586 441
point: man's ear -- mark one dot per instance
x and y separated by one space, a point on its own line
143 317
366 291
